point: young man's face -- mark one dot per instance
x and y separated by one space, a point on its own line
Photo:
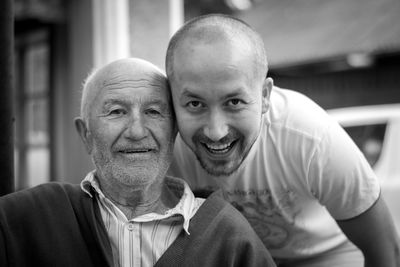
218 102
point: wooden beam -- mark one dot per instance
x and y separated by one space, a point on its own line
6 101
52 11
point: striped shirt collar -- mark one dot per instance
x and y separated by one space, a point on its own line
186 207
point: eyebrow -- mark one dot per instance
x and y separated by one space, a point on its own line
189 94
113 101
146 100
158 102
237 92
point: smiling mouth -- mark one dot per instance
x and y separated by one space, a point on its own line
135 151
219 149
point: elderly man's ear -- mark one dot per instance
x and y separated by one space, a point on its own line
84 133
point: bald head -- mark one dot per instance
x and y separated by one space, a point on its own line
117 72
217 29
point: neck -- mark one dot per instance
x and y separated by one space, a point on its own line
134 201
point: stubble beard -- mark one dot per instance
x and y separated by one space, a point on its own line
130 175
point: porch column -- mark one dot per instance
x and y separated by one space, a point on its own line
6 103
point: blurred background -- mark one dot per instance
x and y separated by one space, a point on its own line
340 53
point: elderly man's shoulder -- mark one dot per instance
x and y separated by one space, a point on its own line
50 195
222 215
221 236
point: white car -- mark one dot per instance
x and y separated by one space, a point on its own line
376 130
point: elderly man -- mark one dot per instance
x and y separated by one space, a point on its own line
126 212
290 169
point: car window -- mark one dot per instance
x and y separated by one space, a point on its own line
369 139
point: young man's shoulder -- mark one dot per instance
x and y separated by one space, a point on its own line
294 112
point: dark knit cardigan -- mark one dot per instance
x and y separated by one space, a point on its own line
59 225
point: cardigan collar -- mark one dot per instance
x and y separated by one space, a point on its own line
186 207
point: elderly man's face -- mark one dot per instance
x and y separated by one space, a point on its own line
131 129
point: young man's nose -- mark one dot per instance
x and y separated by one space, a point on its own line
216 128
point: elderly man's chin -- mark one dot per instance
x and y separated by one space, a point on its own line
132 176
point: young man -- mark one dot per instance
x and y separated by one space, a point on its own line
126 212
290 169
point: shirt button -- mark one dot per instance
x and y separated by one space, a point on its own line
131 226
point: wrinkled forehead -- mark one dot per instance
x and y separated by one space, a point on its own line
118 80
148 80
143 74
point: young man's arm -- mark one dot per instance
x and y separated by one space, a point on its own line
373 232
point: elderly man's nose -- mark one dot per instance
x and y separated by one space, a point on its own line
136 128
216 128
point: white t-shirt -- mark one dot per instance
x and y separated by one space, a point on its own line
301 174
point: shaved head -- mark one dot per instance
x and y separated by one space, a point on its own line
217 29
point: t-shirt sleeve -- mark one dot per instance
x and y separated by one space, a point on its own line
340 176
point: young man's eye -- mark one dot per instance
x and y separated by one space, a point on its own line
195 104
235 102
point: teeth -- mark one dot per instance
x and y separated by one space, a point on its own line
218 149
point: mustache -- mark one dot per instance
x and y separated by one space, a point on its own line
135 147
202 138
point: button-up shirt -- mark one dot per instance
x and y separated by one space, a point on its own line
142 240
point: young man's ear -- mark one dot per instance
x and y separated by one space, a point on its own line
84 133
266 92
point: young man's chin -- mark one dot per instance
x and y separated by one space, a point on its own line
217 165
219 169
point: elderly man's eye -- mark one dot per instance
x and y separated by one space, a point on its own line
117 112
153 112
